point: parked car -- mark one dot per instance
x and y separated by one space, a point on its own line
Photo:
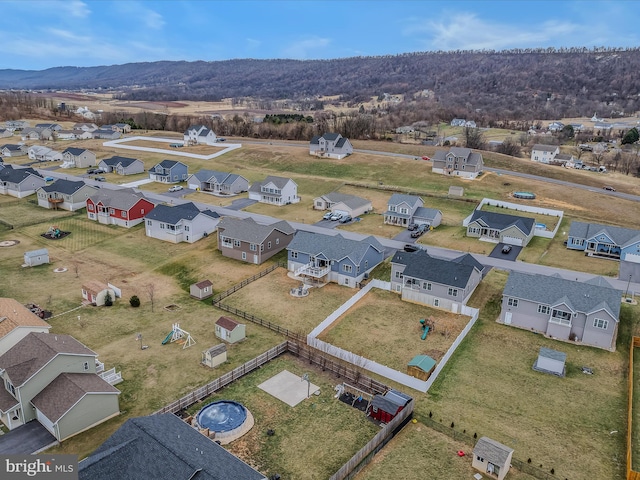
410 247
176 188
327 216
100 179
335 216
92 171
419 231
506 249
345 219
426 158
412 226
48 179
609 188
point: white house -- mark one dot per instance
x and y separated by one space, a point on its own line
275 191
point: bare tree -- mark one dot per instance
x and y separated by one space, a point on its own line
76 268
473 138
151 293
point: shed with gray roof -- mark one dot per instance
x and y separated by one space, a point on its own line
34 258
550 361
492 458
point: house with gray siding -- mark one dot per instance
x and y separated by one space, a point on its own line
501 228
13 150
401 208
343 203
249 241
275 191
52 378
221 183
169 171
605 241
420 278
199 135
122 165
584 312
182 223
65 194
316 258
19 182
78 158
331 145
458 161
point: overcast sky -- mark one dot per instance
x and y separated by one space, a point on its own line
43 34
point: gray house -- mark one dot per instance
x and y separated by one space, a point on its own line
65 195
182 223
106 134
275 191
318 259
169 171
162 446
52 378
421 278
221 183
122 165
343 203
605 241
331 145
501 228
246 240
78 158
586 312
461 162
401 208
19 182
13 150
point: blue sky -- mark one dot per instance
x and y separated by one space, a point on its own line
43 34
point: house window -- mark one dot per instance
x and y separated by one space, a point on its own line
392 208
453 292
294 254
162 226
347 268
269 245
236 243
253 247
561 317
512 302
111 211
398 274
436 302
426 286
124 214
186 228
262 247
244 255
11 388
86 366
544 309
479 458
90 207
149 222
398 287
600 323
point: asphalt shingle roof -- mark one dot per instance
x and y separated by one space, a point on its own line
620 236
333 247
350 201
398 198
16 175
248 230
173 215
119 199
65 187
492 451
17 315
74 151
115 161
421 265
279 182
544 148
227 323
501 221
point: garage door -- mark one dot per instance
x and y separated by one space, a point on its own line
512 241
632 257
341 212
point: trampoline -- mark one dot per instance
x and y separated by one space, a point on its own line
225 418
524 195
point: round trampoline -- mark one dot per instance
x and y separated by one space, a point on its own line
226 418
524 195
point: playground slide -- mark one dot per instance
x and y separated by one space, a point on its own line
424 332
167 338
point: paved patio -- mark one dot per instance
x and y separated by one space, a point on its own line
289 388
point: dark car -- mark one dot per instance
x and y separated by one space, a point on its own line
419 231
609 188
506 249
412 226
345 219
409 247
100 179
91 171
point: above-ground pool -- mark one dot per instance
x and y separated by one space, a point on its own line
224 417
524 195
541 226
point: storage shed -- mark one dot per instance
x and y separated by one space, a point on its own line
456 191
492 458
229 330
421 366
36 257
215 356
550 361
385 407
201 290
96 292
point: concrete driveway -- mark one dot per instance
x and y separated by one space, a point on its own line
26 439
241 203
405 236
327 224
511 256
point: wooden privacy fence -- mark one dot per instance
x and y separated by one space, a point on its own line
246 282
631 473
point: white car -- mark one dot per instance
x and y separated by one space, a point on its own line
176 188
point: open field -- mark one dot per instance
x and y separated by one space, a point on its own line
381 321
490 388
24 211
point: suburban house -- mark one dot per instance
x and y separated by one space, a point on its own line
13 150
5 133
121 127
458 161
331 145
182 223
246 240
65 195
275 191
52 378
384 408
43 154
169 171
78 158
162 446
122 165
16 124
54 127
564 159
19 182
106 134
95 292
199 134
404 210
421 278
222 183
124 207
36 133
229 330
555 126
201 290
66 135
17 322
316 258
501 228
492 458
85 127
544 153
343 203
605 241
33 258
586 312
461 122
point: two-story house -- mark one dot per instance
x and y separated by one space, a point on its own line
501 228
605 241
317 259
19 182
122 165
221 183
17 322
65 194
199 134
78 158
544 153
331 145
421 278
586 312
52 378
124 207
246 240
275 191
182 223
169 171
458 161
403 209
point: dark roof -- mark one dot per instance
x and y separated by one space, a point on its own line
173 215
544 148
502 221
552 354
420 265
350 201
11 147
248 230
391 401
120 199
66 390
227 323
330 137
620 236
66 187
398 198
279 182
204 283
16 175
74 151
169 163
36 350
162 447
492 451
340 143
124 161
426 213
333 247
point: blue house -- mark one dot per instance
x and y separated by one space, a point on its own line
605 241
169 171
318 259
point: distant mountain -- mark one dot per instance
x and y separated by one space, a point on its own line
521 83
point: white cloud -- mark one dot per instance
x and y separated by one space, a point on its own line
253 43
138 11
153 19
300 50
76 8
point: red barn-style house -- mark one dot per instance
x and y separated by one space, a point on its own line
384 408
125 208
